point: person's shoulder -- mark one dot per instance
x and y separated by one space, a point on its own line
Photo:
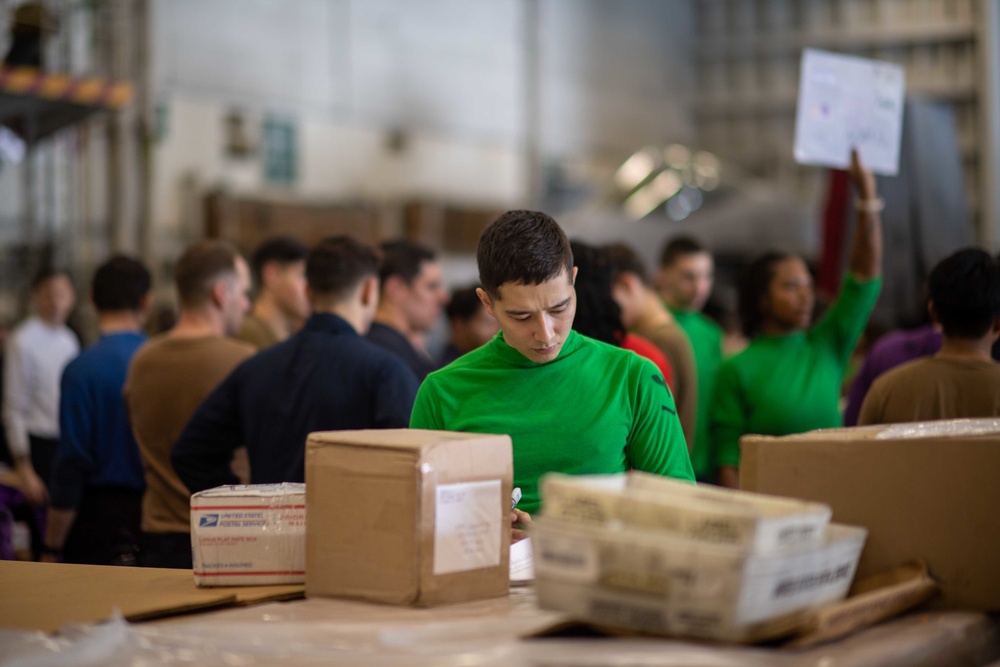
708 324
905 374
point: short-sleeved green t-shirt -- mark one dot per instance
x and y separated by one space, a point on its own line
706 342
790 384
595 409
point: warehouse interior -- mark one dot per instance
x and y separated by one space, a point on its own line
693 471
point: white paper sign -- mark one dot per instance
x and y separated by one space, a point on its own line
846 102
468 521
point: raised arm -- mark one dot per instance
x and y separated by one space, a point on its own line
866 247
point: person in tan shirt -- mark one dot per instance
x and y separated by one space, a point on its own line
169 378
962 380
644 313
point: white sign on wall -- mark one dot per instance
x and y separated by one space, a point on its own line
846 102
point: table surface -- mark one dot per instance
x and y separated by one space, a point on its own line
487 632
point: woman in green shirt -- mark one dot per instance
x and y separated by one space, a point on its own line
788 379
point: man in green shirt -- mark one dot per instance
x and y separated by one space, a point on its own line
685 282
570 404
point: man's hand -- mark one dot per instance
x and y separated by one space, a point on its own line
49 558
520 525
32 485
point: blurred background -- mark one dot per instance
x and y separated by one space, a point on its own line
141 125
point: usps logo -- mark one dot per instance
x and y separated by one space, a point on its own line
208 521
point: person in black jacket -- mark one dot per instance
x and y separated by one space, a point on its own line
325 377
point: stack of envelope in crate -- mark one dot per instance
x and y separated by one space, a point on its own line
654 555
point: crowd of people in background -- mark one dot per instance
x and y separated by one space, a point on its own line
590 360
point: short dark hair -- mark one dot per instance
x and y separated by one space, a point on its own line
965 291
338 264
202 264
598 315
622 258
464 304
404 259
281 250
524 248
47 273
120 283
754 286
678 247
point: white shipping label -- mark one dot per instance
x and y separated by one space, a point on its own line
468 523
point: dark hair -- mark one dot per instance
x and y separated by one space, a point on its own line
598 315
338 264
965 291
623 259
404 259
201 265
524 248
120 283
47 273
678 247
464 304
754 285
281 250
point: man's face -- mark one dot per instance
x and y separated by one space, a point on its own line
474 332
423 299
54 299
236 301
687 282
535 319
287 282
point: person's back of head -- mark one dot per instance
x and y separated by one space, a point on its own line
342 274
522 248
203 264
685 274
120 284
964 291
598 315
53 294
623 259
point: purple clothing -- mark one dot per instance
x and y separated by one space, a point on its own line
891 350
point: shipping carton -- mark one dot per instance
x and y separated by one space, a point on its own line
753 521
408 516
246 535
656 583
933 499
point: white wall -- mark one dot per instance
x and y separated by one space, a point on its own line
451 75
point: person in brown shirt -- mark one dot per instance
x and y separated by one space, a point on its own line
962 380
645 314
171 375
281 306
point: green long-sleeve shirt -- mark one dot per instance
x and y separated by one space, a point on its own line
790 384
706 343
594 409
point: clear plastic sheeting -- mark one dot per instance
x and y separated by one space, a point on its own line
486 635
944 428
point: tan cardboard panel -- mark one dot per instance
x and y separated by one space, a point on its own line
46 596
932 499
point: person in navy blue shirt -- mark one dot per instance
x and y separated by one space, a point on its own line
97 476
325 377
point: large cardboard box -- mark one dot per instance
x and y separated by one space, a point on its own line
247 535
636 579
408 516
924 493
757 522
